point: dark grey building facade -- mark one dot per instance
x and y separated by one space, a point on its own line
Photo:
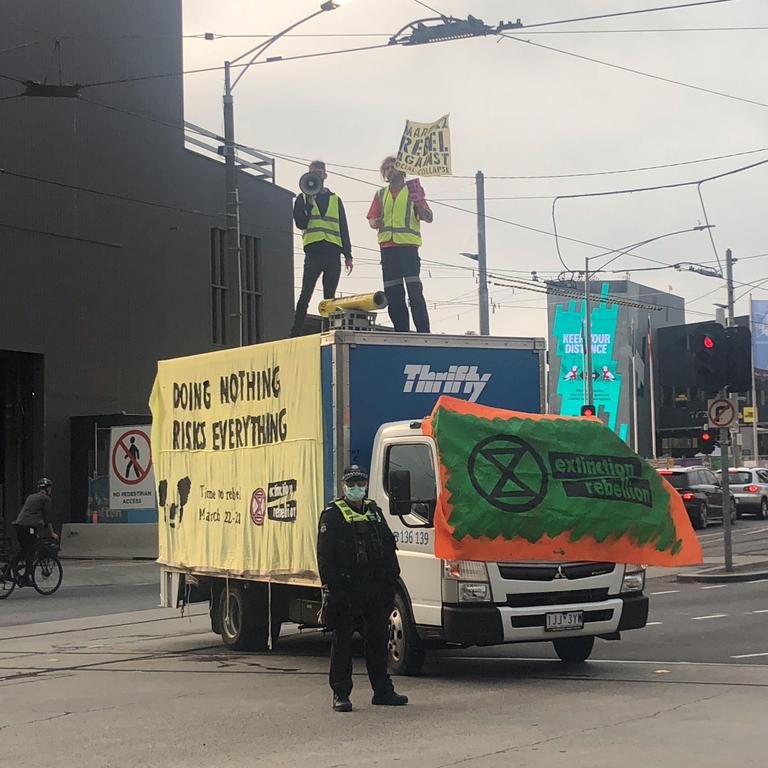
111 233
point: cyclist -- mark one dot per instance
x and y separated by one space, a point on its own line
34 517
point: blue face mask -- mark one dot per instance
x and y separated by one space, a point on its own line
354 492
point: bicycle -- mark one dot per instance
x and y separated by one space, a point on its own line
47 572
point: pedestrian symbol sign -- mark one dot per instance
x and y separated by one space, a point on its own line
131 480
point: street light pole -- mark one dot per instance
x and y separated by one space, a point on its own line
485 326
234 326
233 269
588 333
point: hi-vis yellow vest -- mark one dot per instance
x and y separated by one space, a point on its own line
324 227
368 514
399 220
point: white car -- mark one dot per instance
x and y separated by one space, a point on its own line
749 488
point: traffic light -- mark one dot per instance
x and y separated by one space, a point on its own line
706 442
708 347
588 410
705 356
738 355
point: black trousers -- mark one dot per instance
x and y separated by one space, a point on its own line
373 610
27 539
401 264
327 265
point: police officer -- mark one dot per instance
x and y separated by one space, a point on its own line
35 516
358 566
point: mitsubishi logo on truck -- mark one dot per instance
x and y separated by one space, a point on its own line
457 380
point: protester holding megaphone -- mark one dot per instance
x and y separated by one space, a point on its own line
320 214
396 212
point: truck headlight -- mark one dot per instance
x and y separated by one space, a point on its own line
465 581
634 578
474 592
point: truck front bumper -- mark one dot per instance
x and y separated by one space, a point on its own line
497 624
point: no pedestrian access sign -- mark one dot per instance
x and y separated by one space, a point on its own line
721 413
131 479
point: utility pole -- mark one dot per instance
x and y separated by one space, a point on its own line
234 326
482 288
725 434
588 334
755 447
729 322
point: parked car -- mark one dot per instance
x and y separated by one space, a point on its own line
701 492
749 487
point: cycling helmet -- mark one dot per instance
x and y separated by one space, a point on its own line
44 482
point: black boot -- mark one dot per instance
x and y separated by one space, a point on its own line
341 703
389 698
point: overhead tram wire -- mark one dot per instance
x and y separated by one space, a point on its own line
638 72
635 12
295 159
655 188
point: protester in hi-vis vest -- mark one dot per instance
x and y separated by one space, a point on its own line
397 212
326 237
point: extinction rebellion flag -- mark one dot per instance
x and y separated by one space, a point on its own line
520 486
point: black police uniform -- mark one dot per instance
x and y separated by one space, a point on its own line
358 564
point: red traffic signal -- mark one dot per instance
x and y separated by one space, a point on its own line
588 410
706 442
709 342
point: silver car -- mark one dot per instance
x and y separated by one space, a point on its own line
749 487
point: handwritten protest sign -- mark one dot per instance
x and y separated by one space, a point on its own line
425 148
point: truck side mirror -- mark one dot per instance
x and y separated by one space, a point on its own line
400 490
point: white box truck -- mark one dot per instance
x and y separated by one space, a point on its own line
247 545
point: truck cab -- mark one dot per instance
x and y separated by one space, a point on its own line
469 603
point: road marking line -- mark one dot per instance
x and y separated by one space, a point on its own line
761 610
666 592
715 586
757 530
605 661
711 616
654 623
755 581
749 655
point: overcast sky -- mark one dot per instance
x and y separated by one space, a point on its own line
516 110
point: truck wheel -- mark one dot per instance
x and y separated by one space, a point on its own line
236 632
214 610
574 650
405 651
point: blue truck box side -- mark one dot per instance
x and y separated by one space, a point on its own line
373 378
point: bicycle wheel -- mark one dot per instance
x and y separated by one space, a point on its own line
7 580
47 574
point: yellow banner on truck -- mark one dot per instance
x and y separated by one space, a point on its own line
237 438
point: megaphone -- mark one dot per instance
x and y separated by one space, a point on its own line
367 302
311 183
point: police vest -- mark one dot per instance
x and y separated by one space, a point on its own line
325 227
400 224
369 513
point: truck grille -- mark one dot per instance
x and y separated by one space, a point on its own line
534 599
549 571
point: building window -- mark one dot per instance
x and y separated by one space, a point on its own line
250 283
218 286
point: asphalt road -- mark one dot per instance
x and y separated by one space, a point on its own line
148 688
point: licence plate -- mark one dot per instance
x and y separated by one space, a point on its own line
556 622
